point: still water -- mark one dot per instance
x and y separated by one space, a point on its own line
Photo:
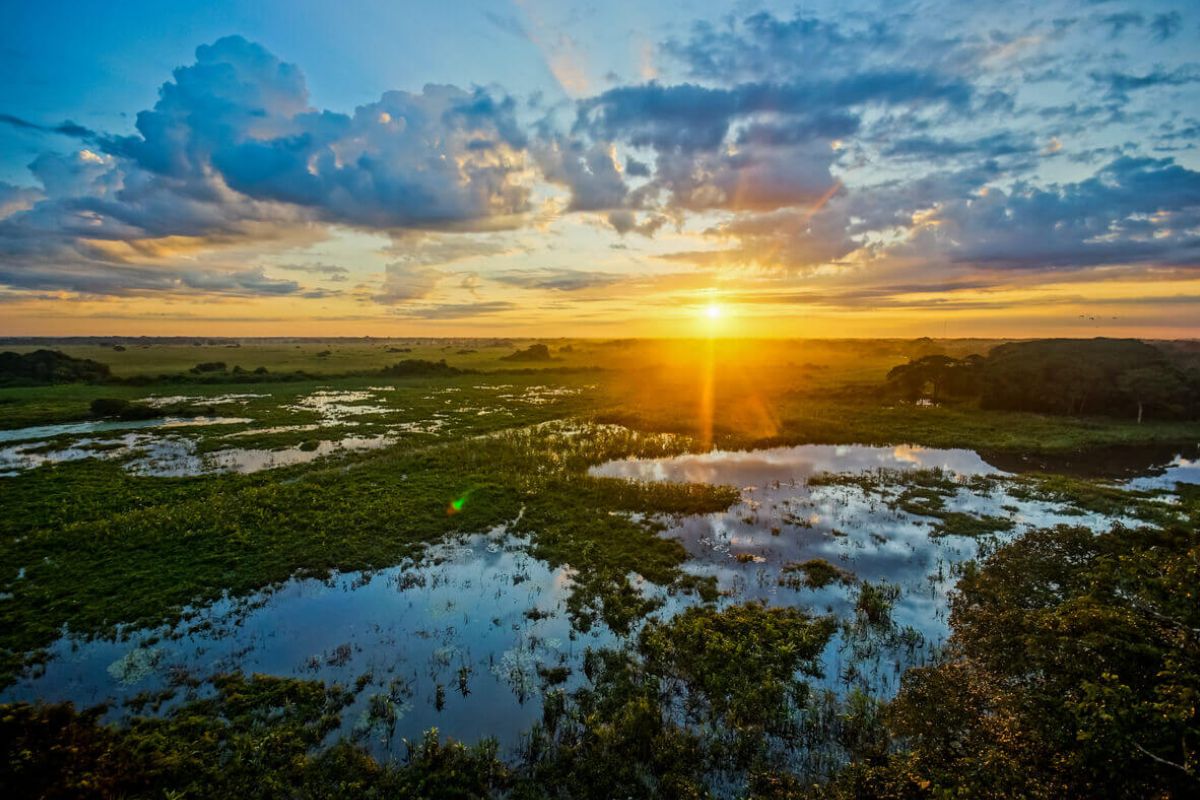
464 637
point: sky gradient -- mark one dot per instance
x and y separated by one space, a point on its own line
600 169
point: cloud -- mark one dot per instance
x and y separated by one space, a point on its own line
993 146
403 283
1120 84
1118 22
444 158
886 147
450 311
329 271
558 280
1134 211
689 117
129 280
1166 25
233 152
764 46
589 171
66 128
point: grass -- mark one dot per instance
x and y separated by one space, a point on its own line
816 573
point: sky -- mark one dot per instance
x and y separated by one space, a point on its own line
551 168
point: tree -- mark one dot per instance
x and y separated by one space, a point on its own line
1158 386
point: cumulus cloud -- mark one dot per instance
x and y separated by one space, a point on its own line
233 151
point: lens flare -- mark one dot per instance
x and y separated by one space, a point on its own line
456 505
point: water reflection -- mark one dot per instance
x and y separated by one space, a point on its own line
477 617
758 467
41 432
781 520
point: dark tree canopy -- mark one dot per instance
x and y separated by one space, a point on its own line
1111 377
535 352
48 366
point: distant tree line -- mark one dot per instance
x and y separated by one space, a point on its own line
1110 377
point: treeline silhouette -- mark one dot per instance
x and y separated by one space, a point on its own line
1104 377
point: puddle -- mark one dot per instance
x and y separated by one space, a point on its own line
460 620
176 456
756 467
182 399
103 426
1179 470
334 407
542 395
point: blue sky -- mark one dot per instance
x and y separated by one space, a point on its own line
900 168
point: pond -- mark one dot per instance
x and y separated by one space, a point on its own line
477 616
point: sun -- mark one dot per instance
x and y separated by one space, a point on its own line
713 311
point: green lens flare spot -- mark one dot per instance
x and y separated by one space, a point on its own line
456 505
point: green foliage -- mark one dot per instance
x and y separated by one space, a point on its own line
816 573
47 367
709 693
419 367
535 352
1072 672
1095 376
252 738
938 377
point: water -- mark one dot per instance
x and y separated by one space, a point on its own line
410 628
482 608
1179 470
782 520
176 456
758 467
44 432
